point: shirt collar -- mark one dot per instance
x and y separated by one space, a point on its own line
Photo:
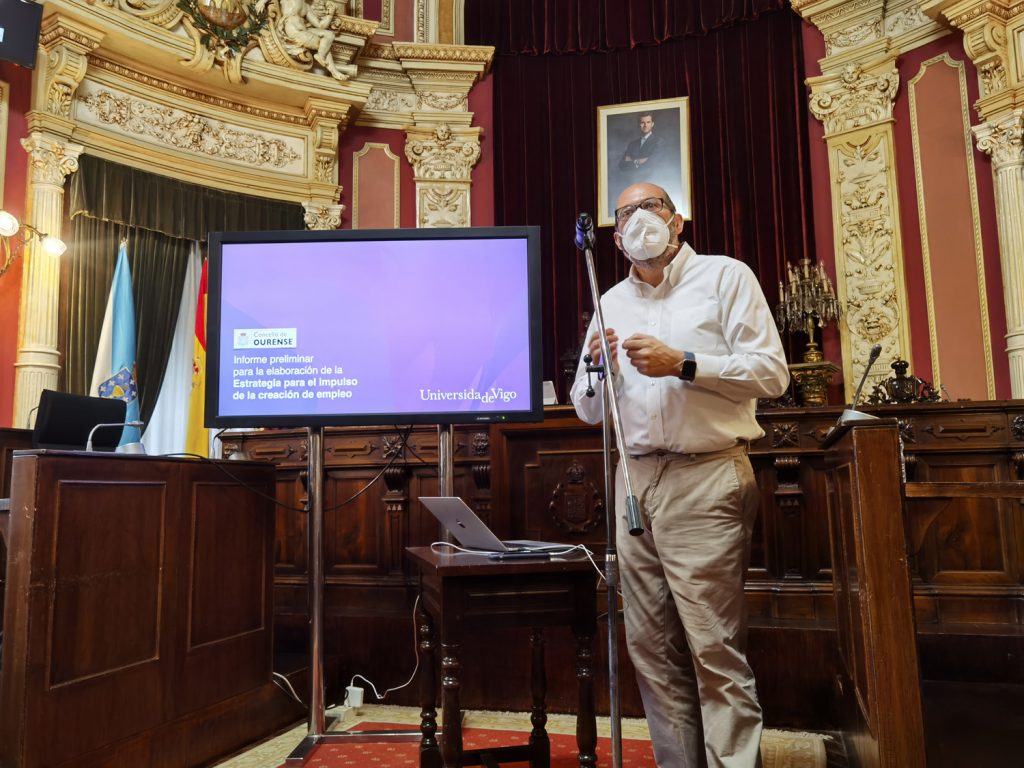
673 270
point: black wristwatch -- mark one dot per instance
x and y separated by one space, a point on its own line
688 371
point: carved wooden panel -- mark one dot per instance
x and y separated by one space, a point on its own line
140 601
545 481
109 552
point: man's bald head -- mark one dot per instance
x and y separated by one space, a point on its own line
635 194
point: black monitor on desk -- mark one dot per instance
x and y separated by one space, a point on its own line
64 421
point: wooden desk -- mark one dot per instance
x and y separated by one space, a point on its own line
460 592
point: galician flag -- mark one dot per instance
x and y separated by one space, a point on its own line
114 372
197 440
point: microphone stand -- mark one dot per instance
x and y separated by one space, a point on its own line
851 415
111 425
585 242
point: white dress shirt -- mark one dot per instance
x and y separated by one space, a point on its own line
713 307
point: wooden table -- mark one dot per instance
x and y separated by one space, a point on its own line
459 592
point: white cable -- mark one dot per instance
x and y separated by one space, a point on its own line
438 546
415 650
290 690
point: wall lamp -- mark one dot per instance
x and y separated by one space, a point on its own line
14 235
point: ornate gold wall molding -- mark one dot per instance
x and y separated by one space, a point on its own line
5 102
993 33
425 20
185 130
387 18
442 158
966 151
396 200
174 130
854 100
869 266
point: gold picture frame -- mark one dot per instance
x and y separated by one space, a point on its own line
663 158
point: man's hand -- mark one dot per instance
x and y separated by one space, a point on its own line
594 347
651 356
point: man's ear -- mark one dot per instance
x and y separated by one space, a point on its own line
618 241
677 223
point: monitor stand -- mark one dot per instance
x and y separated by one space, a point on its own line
317 732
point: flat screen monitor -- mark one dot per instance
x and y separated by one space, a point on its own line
359 327
19 31
64 421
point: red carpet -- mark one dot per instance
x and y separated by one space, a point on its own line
635 753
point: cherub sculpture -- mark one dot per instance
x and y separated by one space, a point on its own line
305 27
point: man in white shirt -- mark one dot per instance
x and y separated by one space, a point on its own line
693 345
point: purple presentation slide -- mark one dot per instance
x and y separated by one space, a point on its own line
374 327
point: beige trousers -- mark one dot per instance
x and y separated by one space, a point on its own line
685 613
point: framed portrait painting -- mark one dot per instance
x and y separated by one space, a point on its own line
643 141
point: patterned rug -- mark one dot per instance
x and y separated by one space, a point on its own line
779 749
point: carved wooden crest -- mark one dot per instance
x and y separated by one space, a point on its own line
575 505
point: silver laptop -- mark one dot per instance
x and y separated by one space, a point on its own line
472 533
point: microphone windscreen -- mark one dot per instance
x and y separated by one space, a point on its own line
584 231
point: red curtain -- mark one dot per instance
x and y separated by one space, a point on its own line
583 26
743 74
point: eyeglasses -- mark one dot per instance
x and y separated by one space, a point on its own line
652 204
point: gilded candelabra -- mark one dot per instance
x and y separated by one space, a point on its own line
806 299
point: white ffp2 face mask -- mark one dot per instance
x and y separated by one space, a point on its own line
646 236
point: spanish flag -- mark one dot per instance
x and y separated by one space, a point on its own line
197 439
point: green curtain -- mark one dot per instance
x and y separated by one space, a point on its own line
161 219
105 190
158 264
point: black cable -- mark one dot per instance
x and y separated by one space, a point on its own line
219 465
379 475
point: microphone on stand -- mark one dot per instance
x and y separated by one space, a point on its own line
584 231
851 414
127 447
585 241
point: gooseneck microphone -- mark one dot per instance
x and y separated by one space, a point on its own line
872 359
111 425
584 231
852 415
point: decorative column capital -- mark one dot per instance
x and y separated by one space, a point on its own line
859 95
67 44
51 159
442 158
323 215
440 152
1003 139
